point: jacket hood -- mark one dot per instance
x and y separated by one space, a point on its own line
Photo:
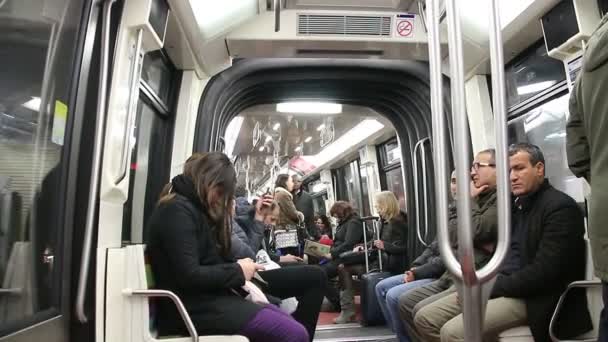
596 54
185 187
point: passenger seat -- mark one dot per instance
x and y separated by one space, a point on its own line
127 302
594 303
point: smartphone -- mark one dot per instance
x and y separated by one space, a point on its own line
267 192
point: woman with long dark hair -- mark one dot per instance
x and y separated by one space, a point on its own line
189 247
348 233
324 226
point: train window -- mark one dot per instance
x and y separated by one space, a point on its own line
545 126
38 57
158 74
349 187
603 7
391 175
531 74
151 145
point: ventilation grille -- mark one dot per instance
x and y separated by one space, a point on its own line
315 24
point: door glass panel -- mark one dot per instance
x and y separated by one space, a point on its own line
37 54
158 74
319 204
150 165
348 185
394 183
545 126
366 211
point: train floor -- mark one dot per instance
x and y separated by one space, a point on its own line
327 331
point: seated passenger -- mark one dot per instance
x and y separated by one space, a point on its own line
254 227
426 268
305 283
189 250
324 227
484 223
392 243
242 203
547 252
348 233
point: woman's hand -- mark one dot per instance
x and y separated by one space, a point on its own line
262 206
290 259
327 256
300 217
249 267
358 249
379 244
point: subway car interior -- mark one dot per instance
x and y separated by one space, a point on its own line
103 101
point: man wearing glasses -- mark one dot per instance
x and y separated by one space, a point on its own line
547 252
484 225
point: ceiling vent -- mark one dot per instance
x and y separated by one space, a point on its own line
349 25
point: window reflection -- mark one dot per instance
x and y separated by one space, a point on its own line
391 174
532 74
545 126
394 183
37 54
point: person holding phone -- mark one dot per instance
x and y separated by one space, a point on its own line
189 245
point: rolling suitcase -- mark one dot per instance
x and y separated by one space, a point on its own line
371 313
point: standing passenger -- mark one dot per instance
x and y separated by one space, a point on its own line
189 249
304 204
289 217
588 152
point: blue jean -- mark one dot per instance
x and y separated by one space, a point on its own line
388 292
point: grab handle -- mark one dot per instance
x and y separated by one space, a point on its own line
97 144
131 109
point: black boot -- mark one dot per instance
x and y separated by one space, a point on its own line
333 296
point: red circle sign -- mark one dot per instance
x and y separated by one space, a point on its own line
405 28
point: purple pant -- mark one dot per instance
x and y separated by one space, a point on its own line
273 325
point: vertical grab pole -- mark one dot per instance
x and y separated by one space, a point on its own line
465 269
97 143
425 190
417 192
439 138
502 168
471 291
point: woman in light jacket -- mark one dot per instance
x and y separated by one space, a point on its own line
289 217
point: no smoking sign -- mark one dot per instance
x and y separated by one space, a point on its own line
404 25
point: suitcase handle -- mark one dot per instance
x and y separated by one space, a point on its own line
370 218
377 236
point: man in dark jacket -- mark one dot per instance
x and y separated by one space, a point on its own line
588 152
547 253
304 204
